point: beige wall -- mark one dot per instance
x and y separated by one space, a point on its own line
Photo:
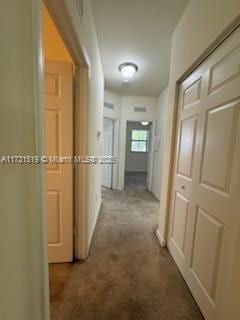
23 254
23 274
160 130
96 101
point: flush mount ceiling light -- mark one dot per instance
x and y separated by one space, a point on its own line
128 70
144 123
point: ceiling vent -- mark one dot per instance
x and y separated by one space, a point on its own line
140 109
108 105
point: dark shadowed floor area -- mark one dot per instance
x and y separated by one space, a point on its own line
136 181
127 276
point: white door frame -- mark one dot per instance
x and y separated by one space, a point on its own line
165 198
113 140
71 37
150 155
115 151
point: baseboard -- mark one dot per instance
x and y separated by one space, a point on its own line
161 239
135 172
93 228
155 196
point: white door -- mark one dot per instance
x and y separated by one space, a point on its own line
205 207
108 136
59 142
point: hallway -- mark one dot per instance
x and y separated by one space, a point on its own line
127 276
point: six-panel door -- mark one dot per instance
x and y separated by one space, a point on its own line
59 143
205 206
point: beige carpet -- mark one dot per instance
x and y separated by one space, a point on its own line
127 276
136 181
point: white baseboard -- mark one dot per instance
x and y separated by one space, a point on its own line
93 227
156 196
161 240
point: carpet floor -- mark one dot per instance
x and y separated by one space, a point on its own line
127 275
136 181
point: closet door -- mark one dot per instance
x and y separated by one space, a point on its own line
206 191
187 141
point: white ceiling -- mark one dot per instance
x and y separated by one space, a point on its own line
137 31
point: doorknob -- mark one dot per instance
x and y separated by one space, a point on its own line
183 187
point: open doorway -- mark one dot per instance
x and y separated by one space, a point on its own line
59 141
138 156
66 126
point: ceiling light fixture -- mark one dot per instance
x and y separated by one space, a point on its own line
144 123
128 70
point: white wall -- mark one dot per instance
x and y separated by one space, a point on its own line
96 100
160 132
23 254
135 161
88 39
114 113
202 22
128 113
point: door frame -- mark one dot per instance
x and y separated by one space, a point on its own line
114 151
150 155
61 18
166 195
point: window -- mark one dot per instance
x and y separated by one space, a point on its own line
139 141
